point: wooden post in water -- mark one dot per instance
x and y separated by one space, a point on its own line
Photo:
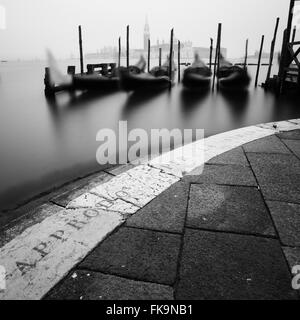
259 60
282 66
272 50
294 34
217 56
211 52
127 48
159 58
285 54
171 54
81 51
179 75
120 49
149 52
290 20
246 55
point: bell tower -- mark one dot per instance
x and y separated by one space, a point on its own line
146 34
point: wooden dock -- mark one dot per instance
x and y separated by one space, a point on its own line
288 77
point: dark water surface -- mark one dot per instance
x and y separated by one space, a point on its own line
46 144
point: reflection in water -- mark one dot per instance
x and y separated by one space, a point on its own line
138 100
237 103
46 143
74 100
190 100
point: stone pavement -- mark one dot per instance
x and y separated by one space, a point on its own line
232 232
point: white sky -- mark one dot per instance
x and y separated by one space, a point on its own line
33 25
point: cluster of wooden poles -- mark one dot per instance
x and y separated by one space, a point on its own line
216 63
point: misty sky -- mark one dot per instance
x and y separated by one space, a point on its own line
33 25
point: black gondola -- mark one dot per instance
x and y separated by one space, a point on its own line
95 82
157 79
232 77
197 76
91 81
109 81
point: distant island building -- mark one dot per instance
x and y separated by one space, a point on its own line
146 35
186 49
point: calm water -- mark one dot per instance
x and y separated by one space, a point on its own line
46 144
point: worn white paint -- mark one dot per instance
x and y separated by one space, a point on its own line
91 200
127 192
296 121
50 249
281 125
53 245
202 151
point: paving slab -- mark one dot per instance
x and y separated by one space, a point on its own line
226 266
294 146
137 186
227 208
271 144
287 220
292 255
166 212
137 254
81 188
281 192
87 285
224 174
233 157
278 176
293 135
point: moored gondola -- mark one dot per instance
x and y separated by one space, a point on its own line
101 82
232 77
197 76
95 82
108 81
157 79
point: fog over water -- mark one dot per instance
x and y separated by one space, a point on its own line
34 25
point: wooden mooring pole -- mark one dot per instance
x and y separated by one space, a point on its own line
81 50
179 74
149 52
217 56
294 34
282 72
272 50
285 53
290 20
171 55
211 52
127 48
259 60
246 55
120 49
159 58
